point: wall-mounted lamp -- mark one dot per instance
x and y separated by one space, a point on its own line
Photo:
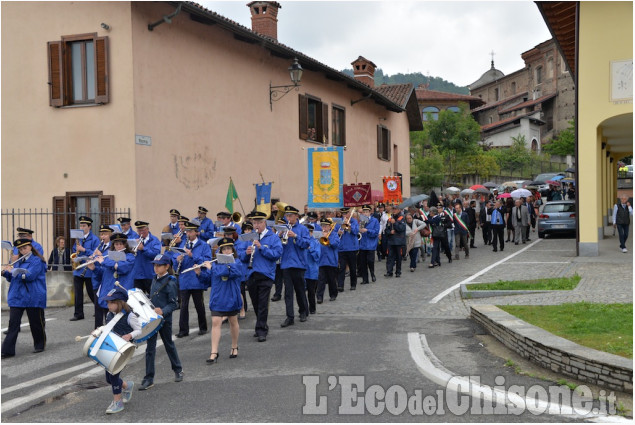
105 26
277 92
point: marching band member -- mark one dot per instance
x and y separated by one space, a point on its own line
241 247
293 266
126 228
148 247
328 261
163 294
225 219
24 233
104 235
173 225
111 271
262 257
312 268
128 328
348 247
312 219
225 299
27 291
206 228
82 277
196 252
368 245
278 282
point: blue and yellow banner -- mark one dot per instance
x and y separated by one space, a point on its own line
326 177
263 198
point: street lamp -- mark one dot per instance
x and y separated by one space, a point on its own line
277 92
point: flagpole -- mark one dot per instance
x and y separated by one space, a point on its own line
238 197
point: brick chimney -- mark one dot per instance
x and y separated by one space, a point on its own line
364 71
264 17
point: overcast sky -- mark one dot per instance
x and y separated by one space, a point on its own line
452 40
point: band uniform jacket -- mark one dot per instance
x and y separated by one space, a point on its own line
90 243
265 257
201 252
371 236
349 241
106 273
27 289
293 253
164 297
143 267
225 293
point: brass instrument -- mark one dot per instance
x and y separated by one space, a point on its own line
237 217
74 256
285 238
346 225
134 250
280 213
324 240
173 241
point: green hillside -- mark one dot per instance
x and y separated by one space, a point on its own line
416 78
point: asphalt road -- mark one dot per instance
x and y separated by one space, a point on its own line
362 337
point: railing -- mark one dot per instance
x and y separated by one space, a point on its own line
48 225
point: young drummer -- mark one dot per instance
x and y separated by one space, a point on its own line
27 291
128 327
224 298
163 294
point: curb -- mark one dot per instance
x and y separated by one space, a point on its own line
556 353
486 293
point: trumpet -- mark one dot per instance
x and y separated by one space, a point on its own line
346 225
285 238
324 240
172 242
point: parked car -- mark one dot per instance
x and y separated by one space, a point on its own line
557 217
629 173
544 187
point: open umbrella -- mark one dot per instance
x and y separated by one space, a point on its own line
490 185
556 178
535 183
482 190
567 180
467 192
520 193
510 184
553 182
570 170
452 190
413 200
477 186
504 195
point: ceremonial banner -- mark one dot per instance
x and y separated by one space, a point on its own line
263 198
326 172
392 190
357 195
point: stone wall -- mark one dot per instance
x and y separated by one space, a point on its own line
555 353
59 290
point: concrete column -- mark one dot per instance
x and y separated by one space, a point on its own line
589 157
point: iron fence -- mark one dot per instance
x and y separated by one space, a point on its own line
48 225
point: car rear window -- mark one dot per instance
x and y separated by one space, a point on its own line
555 208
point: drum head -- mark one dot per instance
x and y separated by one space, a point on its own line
150 328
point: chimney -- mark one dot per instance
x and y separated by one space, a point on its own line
264 17
364 71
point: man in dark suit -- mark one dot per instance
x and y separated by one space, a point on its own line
498 225
471 214
395 235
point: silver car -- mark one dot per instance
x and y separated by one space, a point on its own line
557 217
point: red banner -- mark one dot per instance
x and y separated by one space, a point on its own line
392 190
358 194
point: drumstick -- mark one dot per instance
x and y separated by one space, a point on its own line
79 338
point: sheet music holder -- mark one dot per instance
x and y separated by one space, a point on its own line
196 221
77 234
132 243
18 271
225 258
177 250
7 245
167 236
247 237
116 256
212 242
337 220
317 234
363 218
116 228
281 228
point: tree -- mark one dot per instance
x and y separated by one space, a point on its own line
426 164
564 143
481 163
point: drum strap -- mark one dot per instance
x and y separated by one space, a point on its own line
105 331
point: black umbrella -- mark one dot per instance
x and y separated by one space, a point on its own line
535 183
490 184
570 170
413 200
482 190
434 200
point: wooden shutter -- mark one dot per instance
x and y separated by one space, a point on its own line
56 89
60 222
380 144
388 145
107 209
325 124
303 118
101 70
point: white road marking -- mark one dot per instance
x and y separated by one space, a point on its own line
27 324
418 346
43 392
475 275
540 262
